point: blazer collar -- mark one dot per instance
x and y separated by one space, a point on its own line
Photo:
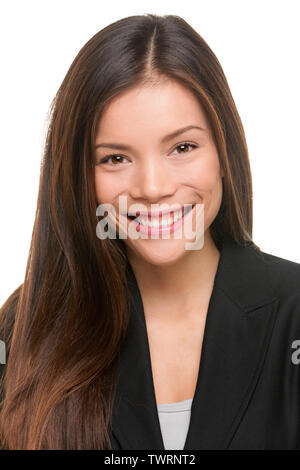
239 323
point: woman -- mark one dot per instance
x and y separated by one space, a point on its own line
139 340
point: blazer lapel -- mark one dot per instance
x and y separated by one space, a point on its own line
240 318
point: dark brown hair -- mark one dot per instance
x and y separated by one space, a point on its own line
64 326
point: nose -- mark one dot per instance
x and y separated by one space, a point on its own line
152 181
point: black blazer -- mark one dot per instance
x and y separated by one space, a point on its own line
248 386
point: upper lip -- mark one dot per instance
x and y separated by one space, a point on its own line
158 212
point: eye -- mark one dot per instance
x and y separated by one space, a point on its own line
113 159
184 147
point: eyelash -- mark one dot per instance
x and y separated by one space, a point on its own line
105 159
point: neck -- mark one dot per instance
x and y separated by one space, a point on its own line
178 290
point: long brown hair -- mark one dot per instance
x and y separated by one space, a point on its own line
64 326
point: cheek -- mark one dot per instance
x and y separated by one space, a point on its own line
106 187
206 174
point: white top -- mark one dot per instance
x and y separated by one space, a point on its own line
174 421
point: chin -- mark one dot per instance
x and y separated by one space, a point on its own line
159 252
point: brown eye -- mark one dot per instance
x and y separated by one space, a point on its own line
116 159
113 159
184 147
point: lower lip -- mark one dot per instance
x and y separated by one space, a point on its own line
162 229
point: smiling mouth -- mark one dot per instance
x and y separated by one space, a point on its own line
163 220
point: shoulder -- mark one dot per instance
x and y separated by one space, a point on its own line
284 285
284 273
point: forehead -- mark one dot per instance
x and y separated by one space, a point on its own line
162 106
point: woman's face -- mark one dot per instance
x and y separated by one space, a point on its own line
150 168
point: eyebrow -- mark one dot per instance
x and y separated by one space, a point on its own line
165 139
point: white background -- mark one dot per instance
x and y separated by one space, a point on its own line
257 43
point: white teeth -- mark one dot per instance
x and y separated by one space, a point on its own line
155 222
177 216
